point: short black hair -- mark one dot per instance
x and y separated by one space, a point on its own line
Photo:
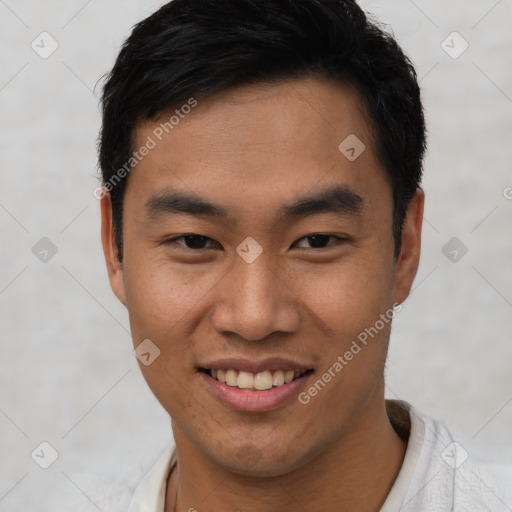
194 48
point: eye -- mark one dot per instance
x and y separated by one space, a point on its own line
319 241
194 242
199 242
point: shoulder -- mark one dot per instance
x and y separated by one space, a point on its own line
109 490
445 476
490 481
501 473
475 484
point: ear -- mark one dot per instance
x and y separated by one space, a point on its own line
110 249
409 257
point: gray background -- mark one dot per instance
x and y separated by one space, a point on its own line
67 373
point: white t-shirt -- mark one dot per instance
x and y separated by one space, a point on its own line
437 475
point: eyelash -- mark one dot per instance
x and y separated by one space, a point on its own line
173 240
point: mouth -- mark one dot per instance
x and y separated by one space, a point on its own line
250 381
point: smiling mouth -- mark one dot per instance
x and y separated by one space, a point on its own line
250 381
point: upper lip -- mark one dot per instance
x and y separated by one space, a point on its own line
246 365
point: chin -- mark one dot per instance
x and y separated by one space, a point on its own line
251 461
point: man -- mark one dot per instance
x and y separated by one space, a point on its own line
261 222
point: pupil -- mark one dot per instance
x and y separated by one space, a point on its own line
190 239
321 238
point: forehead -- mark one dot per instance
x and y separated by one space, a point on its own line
261 141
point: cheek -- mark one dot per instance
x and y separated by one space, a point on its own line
163 301
347 296
162 297
353 308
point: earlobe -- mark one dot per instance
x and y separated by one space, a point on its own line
409 257
110 249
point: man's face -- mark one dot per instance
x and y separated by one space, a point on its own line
217 300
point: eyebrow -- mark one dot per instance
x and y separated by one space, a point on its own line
338 199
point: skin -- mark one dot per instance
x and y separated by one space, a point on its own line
253 149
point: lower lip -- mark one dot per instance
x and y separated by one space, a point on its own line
254 401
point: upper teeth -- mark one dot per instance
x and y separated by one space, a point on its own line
248 380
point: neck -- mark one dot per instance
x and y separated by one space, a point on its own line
354 473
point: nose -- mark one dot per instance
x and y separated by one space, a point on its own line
255 300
